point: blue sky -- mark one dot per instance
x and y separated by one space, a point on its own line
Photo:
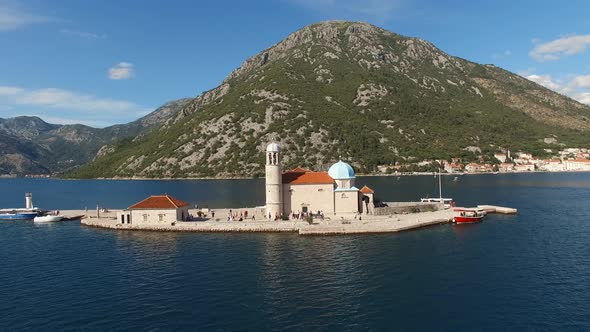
101 62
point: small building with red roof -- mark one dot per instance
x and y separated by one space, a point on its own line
159 209
367 198
307 191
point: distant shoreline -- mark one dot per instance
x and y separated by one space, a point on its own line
251 178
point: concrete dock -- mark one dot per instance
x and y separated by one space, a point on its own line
333 226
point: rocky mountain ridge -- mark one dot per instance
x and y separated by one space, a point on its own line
355 90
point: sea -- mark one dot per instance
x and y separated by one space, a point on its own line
528 272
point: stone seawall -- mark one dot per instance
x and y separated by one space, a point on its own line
369 224
406 208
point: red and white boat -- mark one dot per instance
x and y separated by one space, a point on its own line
467 215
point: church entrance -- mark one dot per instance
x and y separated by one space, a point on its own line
304 208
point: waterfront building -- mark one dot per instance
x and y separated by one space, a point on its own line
506 167
478 168
453 167
162 209
524 167
552 165
577 165
501 157
301 191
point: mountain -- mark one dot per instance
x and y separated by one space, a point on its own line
357 91
29 145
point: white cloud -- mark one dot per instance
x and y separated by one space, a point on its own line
561 47
379 10
584 98
69 106
9 90
12 18
121 71
83 34
64 99
546 81
582 81
577 87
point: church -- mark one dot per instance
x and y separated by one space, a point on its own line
301 190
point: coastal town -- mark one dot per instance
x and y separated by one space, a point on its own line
566 160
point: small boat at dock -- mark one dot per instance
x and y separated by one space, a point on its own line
47 218
447 202
468 215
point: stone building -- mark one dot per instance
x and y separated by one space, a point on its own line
158 209
305 191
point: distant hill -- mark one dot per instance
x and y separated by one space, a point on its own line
353 90
29 145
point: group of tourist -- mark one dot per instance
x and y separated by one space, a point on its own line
299 215
303 215
235 216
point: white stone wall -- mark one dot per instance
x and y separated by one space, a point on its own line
152 216
124 217
553 167
577 165
273 184
344 183
346 201
314 196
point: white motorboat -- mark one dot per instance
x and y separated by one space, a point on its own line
47 218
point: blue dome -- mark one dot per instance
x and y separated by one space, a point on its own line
341 171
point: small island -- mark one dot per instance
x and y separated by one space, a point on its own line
299 200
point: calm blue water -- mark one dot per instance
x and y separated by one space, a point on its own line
525 272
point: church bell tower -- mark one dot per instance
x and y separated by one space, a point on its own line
274 183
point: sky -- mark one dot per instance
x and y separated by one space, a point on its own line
103 62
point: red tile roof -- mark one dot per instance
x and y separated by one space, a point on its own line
367 190
159 202
300 170
303 176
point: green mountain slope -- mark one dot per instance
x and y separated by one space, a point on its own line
352 90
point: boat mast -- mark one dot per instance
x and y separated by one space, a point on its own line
439 186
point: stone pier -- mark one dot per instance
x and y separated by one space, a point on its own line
345 224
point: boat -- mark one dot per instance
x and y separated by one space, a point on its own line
27 213
18 214
47 218
467 215
447 202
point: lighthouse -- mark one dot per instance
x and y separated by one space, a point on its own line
274 201
28 200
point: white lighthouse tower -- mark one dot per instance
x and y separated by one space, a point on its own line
28 200
274 182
